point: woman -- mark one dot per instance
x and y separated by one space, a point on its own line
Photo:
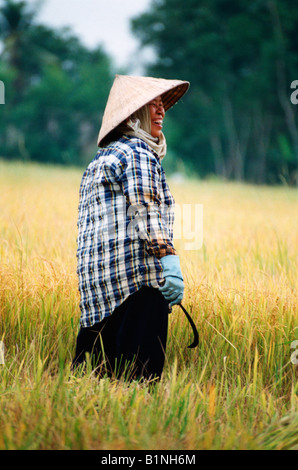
128 269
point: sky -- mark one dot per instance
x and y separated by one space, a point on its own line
95 22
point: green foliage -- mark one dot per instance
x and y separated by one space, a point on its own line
240 60
236 121
56 90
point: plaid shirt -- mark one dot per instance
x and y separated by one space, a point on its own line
125 225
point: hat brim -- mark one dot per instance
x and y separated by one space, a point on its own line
128 94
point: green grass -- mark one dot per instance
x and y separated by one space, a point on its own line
237 390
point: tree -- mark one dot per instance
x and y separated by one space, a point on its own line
16 20
56 90
240 60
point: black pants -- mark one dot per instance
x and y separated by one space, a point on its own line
132 341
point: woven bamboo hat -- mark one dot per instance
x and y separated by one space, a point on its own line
130 93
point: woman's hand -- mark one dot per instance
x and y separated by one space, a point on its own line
173 287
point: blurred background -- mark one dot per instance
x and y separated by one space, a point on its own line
237 122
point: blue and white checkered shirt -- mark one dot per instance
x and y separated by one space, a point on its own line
125 225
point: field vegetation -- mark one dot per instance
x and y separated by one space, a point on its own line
237 390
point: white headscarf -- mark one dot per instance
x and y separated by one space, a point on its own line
139 125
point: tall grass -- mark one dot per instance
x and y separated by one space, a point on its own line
237 390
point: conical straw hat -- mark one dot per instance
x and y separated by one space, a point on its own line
129 93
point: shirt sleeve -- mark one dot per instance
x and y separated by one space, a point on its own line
140 185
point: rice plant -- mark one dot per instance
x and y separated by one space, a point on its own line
237 390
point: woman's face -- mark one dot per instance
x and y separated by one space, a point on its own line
157 113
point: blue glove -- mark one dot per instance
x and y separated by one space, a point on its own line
173 287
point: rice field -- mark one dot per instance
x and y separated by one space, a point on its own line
237 390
